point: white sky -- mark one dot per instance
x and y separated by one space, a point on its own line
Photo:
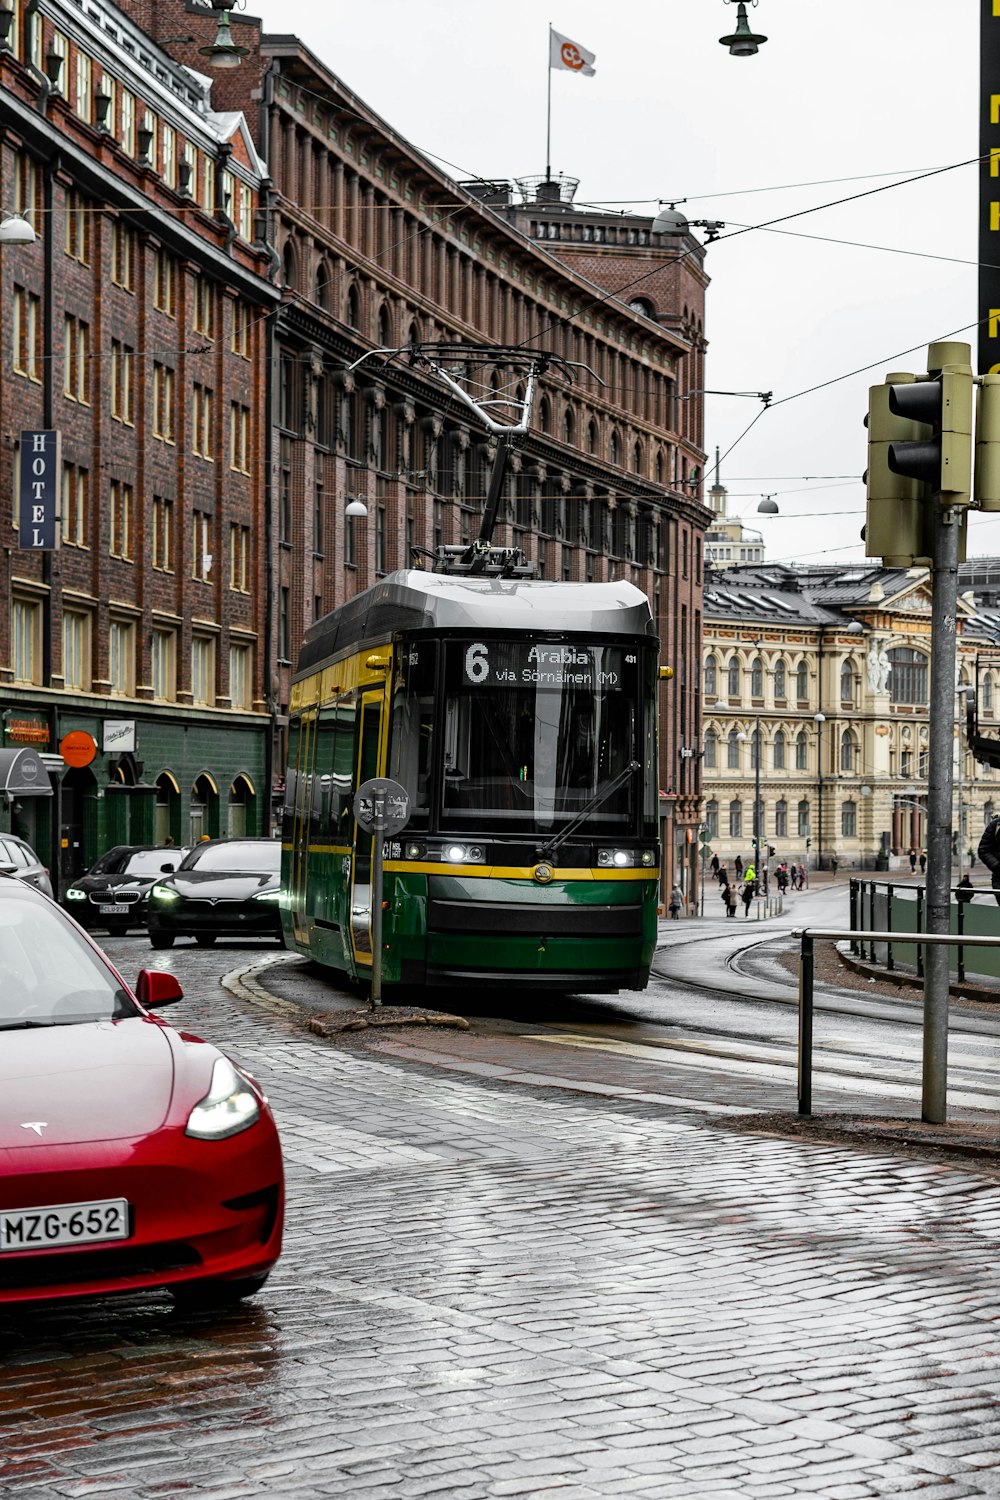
843 88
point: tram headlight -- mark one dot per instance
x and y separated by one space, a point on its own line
647 857
615 859
459 854
414 851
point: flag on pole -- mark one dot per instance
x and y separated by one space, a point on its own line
570 55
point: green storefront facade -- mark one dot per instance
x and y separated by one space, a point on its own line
156 773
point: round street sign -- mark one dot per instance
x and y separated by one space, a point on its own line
78 748
395 801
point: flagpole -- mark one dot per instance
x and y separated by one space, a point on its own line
548 115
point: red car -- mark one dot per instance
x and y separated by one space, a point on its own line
131 1155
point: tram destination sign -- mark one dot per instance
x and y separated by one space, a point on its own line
549 664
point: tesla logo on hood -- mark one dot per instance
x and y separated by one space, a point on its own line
36 1125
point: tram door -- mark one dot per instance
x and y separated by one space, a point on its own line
301 814
361 857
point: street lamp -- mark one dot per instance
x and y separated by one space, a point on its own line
224 52
743 42
819 720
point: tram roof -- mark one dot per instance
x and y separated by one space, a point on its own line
417 600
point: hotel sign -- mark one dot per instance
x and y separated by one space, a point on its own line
38 501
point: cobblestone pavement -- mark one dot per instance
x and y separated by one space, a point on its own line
492 1290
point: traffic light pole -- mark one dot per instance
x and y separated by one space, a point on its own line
944 581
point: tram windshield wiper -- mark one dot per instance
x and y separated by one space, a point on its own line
552 844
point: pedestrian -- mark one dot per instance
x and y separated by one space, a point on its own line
795 877
676 902
964 889
923 861
747 895
168 842
989 853
834 862
732 900
782 878
738 866
713 864
722 875
913 861
803 878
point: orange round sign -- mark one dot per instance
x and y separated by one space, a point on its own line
78 748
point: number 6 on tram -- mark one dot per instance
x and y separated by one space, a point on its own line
520 716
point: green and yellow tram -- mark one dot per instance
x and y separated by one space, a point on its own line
520 715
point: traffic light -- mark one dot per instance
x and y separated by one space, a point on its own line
986 487
895 526
941 460
770 851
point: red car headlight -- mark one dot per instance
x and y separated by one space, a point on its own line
227 1108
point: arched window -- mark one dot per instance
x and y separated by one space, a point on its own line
352 311
591 437
711 678
801 751
847 751
779 680
544 414
384 327
986 694
711 749
846 683
734 677
735 819
568 426
908 679
658 467
637 459
733 751
712 819
804 818
779 750
324 286
289 265
615 450
241 802
757 678
802 681
849 820
781 819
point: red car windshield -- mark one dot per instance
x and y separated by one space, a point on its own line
49 973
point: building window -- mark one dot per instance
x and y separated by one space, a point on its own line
204 306
802 682
801 751
26 311
163 534
781 819
285 491
779 681
128 123
757 678
319 506
121 658
77 225
164 288
84 100
122 256
76 651
201 544
849 820
908 680
208 185
239 676
75 505
735 820
202 670
779 750
122 520
163 665
284 625
711 678
712 819
846 751
201 424
711 749
76 360
244 215
169 155
987 693
804 819
733 751
733 675
239 437
239 559
380 540
240 341
164 403
846 684
120 380
26 640
350 543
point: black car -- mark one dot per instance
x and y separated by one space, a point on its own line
114 891
224 888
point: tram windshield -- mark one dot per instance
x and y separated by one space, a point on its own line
533 732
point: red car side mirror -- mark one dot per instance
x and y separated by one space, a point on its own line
155 987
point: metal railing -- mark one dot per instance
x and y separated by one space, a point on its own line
807 966
866 894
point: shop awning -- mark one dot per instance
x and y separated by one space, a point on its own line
23 773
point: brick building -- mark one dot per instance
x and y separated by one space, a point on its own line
134 327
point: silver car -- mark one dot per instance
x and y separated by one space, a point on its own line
19 859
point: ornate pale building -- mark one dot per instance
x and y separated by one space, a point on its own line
814 691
